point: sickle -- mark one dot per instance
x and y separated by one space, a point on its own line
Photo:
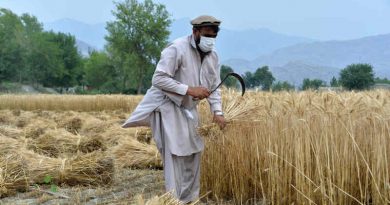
238 77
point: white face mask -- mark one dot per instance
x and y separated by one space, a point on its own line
206 44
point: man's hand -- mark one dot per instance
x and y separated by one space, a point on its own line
220 120
198 92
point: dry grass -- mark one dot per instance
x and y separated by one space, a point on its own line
318 148
88 169
13 176
278 148
69 102
59 142
131 153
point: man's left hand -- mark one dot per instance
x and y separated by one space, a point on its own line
220 120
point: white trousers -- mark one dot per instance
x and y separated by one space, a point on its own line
181 173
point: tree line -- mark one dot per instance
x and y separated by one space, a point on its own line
352 77
28 54
31 55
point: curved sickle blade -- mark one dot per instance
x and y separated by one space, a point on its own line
238 77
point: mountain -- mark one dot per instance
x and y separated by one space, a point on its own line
84 48
325 58
290 58
246 44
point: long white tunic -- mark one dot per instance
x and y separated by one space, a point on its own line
179 67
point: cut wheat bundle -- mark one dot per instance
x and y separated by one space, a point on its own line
10 131
131 153
72 125
13 176
9 145
144 135
242 109
237 110
88 169
165 199
55 143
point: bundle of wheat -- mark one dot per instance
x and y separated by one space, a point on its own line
131 153
165 199
39 127
8 145
237 110
242 109
89 169
55 143
113 135
94 126
144 135
13 176
10 131
91 144
6 117
72 125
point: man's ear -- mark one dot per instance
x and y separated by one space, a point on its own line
195 31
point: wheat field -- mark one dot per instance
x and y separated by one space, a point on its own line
278 148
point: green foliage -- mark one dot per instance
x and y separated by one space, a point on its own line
11 45
229 82
312 84
29 54
99 72
382 80
261 77
334 82
357 77
49 180
135 39
282 86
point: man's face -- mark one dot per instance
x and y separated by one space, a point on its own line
204 31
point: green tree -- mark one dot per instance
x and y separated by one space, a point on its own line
382 80
248 79
135 39
334 82
32 31
280 86
99 73
71 60
263 77
11 49
357 77
312 84
229 82
46 65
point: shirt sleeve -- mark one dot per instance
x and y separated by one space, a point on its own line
164 73
214 99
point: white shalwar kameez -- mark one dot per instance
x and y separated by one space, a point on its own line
173 115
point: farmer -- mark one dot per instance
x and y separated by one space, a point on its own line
187 71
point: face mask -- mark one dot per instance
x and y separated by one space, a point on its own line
206 44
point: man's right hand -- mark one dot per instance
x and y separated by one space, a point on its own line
198 92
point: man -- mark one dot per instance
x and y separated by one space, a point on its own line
187 71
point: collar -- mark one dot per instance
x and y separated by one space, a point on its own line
193 41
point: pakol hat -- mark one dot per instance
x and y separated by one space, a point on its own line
205 20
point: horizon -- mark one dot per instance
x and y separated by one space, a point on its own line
320 20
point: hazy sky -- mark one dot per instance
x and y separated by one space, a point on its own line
319 19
